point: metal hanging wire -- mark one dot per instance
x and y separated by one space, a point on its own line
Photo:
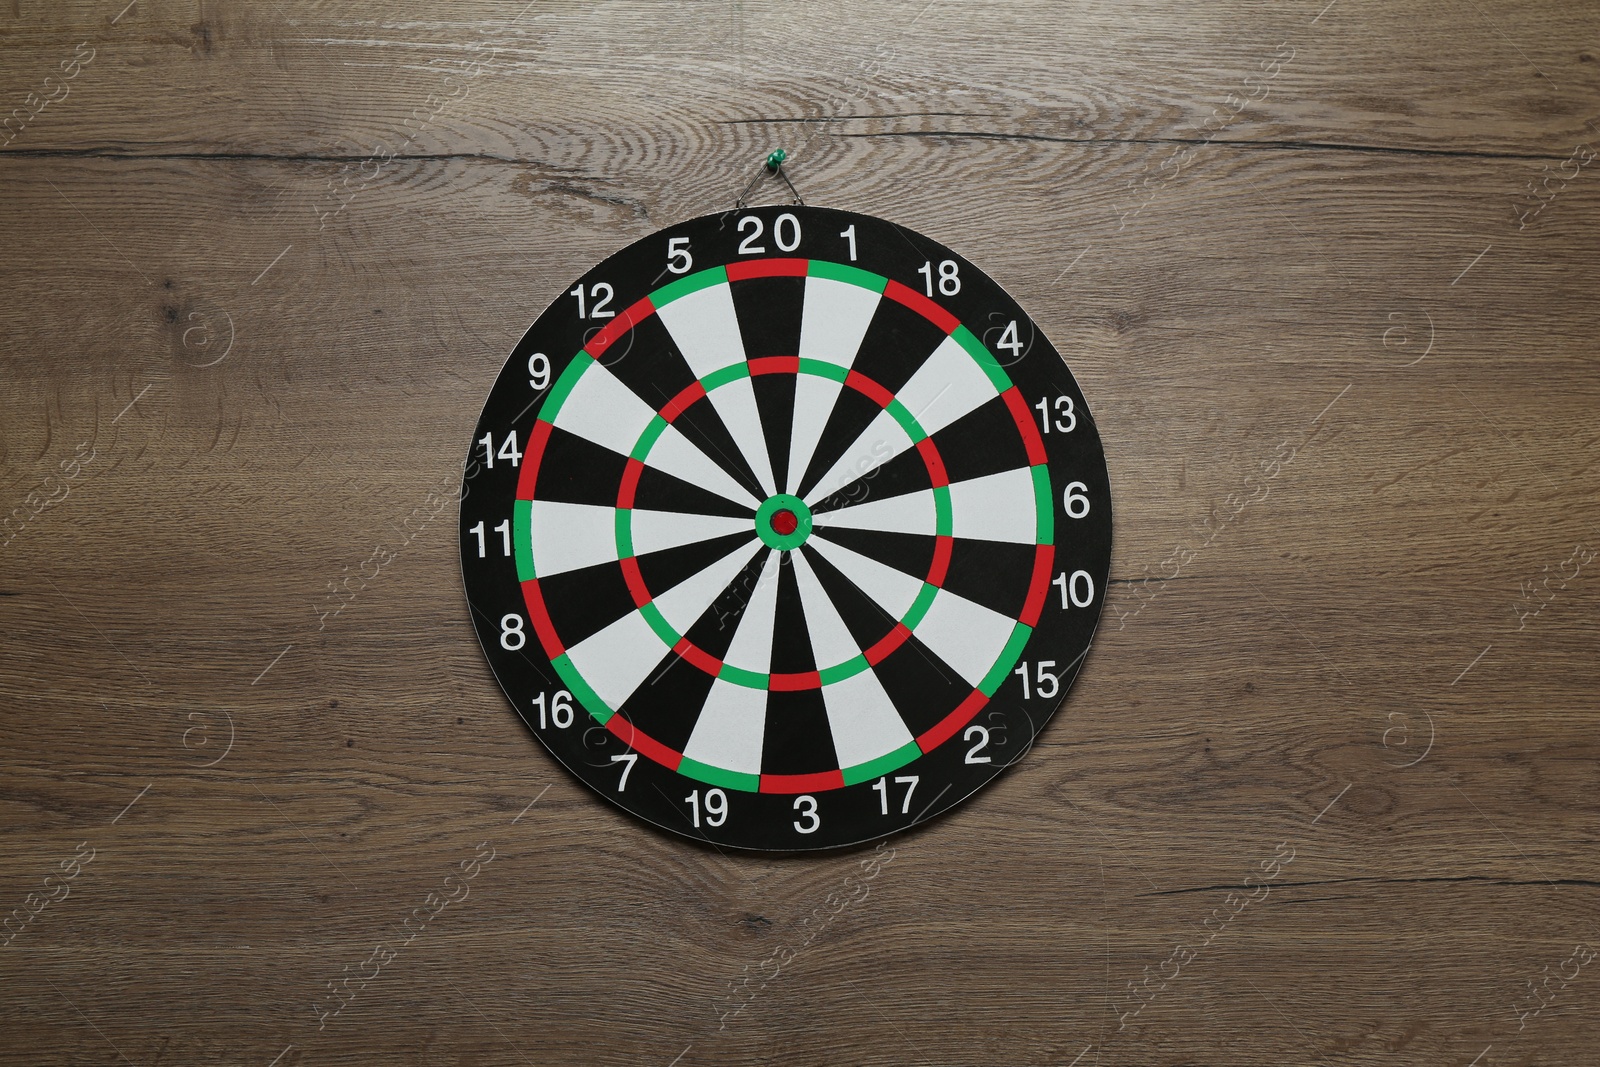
774 166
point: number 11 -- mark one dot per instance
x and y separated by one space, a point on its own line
504 530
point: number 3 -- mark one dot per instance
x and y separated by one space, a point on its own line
807 806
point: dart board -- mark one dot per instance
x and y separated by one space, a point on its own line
785 528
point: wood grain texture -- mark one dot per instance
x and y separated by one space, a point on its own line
1346 386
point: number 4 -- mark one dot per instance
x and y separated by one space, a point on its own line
1008 340
882 786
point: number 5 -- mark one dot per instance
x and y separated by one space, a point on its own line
678 258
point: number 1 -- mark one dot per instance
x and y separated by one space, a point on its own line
849 234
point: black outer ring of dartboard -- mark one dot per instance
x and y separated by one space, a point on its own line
850 815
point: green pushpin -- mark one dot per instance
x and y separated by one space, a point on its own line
775 160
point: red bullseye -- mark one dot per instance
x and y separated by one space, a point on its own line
784 522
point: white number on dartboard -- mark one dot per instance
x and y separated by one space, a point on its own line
1070 588
538 371
792 225
748 246
512 636
1046 684
678 258
504 530
785 232
1075 503
628 759
907 780
560 709
716 804
1008 340
1066 419
982 734
949 280
849 234
508 450
807 807
600 293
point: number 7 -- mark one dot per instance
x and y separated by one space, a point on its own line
630 758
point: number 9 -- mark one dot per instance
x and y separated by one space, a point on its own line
539 371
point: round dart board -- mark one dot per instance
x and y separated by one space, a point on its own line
785 528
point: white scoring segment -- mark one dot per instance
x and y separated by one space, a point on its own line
861 717
997 507
893 590
833 321
677 455
618 658
965 635
684 603
736 404
948 385
567 537
730 729
911 513
882 440
706 329
831 642
602 410
653 531
752 641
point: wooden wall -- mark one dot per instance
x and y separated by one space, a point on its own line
1342 360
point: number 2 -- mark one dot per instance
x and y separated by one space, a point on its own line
982 734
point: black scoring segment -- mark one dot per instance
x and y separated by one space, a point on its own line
898 341
995 574
575 470
769 312
983 441
585 601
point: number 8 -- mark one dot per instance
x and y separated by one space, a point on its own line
511 627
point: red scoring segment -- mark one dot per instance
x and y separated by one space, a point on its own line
785 522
